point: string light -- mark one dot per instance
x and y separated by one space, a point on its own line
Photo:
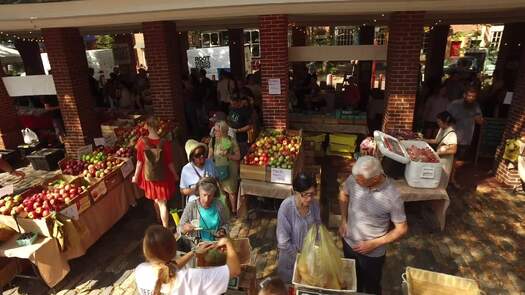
10 37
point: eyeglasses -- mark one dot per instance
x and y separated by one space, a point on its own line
199 155
308 195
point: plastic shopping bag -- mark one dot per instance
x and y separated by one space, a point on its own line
320 263
29 136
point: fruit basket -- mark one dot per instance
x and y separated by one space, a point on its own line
276 156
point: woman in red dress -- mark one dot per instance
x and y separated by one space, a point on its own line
159 190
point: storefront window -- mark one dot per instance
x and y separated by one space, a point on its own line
251 41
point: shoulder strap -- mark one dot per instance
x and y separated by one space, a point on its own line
444 136
196 172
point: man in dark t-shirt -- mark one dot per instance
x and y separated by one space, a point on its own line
239 118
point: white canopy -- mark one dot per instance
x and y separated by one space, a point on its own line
9 55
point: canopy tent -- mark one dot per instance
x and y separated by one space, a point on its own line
9 55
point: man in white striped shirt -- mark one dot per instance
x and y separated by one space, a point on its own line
369 202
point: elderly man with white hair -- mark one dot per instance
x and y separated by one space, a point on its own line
369 202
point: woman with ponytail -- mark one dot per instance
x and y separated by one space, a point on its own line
163 275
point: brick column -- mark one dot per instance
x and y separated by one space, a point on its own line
67 56
515 127
274 65
436 54
160 39
237 52
10 136
183 55
404 45
30 54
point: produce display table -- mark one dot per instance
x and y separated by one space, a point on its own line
256 188
79 234
438 197
326 124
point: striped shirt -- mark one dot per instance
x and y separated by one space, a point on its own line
370 212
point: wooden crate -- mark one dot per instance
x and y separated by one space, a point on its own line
254 172
113 179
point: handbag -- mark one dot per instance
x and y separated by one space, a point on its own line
154 156
223 171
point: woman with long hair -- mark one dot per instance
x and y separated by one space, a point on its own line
155 172
225 153
162 274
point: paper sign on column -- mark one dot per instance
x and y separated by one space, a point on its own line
100 141
6 190
508 97
85 150
70 211
127 168
274 86
279 175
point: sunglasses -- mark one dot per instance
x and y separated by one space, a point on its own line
199 155
308 195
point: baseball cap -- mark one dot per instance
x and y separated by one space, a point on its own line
218 116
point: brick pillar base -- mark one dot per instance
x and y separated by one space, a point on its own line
236 53
67 56
10 136
274 65
515 127
404 46
162 56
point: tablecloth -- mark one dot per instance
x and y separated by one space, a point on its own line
79 234
438 197
260 189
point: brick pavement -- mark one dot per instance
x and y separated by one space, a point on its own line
482 241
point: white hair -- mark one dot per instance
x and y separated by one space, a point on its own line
368 167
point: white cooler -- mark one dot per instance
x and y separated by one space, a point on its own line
417 174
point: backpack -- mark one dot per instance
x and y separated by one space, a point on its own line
154 161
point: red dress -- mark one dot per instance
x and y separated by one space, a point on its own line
157 190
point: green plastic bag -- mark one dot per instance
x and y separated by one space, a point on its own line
320 263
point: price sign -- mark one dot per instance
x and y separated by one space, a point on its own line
71 211
99 141
279 175
127 168
99 190
6 190
85 150
110 140
233 284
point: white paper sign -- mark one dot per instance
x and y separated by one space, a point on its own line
508 97
99 190
110 140
70 211
6 190
127 168
85 150
274 86
99 141
280 175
